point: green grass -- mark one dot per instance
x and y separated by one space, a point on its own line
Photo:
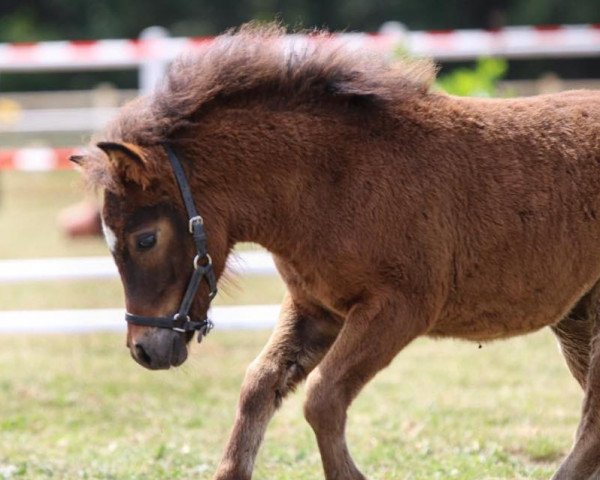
77 407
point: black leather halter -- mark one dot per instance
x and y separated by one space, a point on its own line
181 321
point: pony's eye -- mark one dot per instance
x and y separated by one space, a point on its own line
145 241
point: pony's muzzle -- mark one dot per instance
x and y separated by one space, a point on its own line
159 349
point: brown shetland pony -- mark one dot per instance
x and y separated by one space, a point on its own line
392 212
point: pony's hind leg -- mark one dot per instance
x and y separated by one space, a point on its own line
297 344
372 335
583 463
574 334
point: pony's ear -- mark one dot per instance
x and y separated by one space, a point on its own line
128 160
77 159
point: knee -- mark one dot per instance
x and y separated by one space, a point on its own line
323 407
257 386
257 374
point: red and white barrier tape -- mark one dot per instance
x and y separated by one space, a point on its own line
509 42
37 159
512 42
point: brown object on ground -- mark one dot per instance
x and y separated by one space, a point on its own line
392 212
80 220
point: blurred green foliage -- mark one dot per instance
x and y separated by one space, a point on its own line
479 81
33 20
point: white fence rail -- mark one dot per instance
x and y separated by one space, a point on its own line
250 263
59 120
244 317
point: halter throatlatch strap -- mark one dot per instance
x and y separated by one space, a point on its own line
202 262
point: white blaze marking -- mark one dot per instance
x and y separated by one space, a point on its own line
109 236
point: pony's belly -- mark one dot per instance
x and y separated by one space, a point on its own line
489 326
505 295
475 320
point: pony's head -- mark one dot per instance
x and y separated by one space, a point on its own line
147 230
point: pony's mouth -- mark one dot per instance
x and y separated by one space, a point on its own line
160 349
179 352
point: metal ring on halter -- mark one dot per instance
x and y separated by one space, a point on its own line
176 317
193 220
197 259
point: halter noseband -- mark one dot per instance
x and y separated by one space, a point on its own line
181 321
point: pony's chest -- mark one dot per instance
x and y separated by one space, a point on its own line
316 287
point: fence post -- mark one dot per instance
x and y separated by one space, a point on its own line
152 69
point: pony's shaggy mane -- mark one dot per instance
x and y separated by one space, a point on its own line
259 59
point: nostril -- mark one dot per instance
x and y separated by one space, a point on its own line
141 354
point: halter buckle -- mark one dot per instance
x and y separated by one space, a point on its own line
195 220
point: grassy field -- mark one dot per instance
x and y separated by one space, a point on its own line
77 407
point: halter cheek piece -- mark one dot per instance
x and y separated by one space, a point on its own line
181 321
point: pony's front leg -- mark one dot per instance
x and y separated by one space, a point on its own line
298 343
370 338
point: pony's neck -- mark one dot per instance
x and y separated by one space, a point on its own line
271 163
268 212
